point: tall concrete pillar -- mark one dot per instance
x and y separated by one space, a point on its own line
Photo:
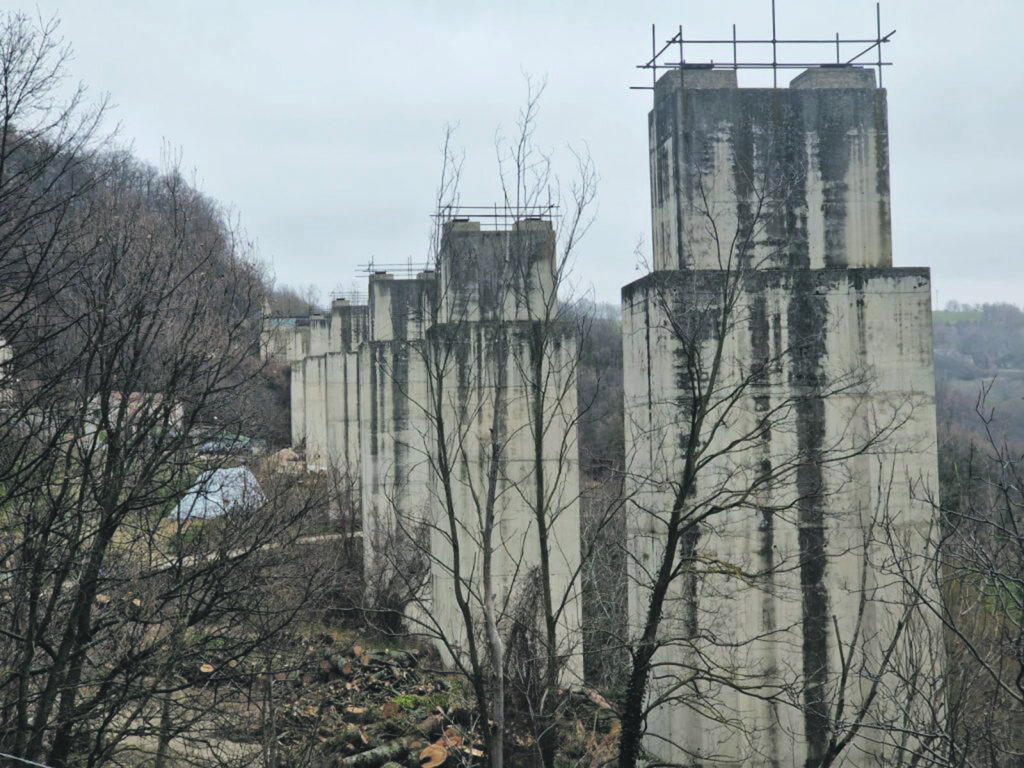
315 399
347 331
323 354
506 367
775 309
394 431
297 350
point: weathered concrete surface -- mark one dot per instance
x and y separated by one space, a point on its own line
316 395
497 347
774 203
442 351
298 349
319 335
314 381
394 428
348 329
324 394
342 413
505 275
809 164
349 326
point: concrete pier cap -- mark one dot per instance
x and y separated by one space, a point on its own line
695 77
835 76
705 77
532 223
461 225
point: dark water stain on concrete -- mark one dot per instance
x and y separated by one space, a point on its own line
808 321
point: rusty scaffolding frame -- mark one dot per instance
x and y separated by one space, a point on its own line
408 268
496 216
493 217
353 296
678 42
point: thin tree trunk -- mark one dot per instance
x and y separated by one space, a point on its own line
164 743
546 737
490 608
269 722
497 654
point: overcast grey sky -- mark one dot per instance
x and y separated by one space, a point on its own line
320 123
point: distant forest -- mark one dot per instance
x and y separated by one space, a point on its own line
980 348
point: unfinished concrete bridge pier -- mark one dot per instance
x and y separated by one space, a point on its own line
449 399
395 438
503 372
322 353
779 401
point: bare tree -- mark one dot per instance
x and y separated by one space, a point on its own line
48 147
131 319
977 560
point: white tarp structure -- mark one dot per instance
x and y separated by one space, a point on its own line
218 491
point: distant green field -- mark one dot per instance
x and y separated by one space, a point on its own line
956 318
